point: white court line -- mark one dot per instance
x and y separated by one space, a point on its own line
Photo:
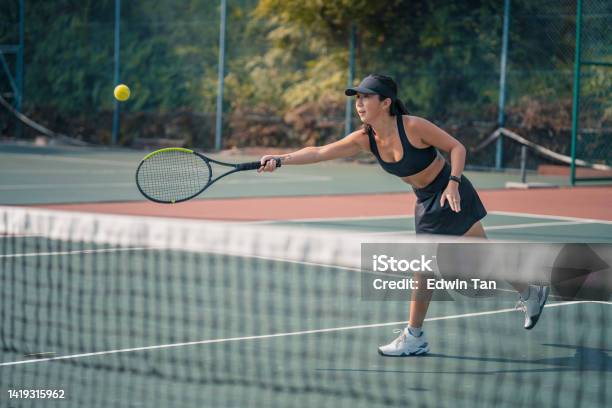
410 216
60 171
536 224
334 219
562 220
104 250
296 179
285 176
3 235
492 228
293 180
129 162
11 187
388 233
84 251
550 217
266 336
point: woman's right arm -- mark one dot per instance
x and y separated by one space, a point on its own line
346 147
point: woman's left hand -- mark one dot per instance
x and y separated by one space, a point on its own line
451 194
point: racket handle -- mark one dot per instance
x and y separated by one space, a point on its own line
255 165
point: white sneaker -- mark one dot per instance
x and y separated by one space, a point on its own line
533 305
405 345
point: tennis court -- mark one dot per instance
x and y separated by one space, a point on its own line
124 323
63 174
258 291
136 326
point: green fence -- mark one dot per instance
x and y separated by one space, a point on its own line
286 64
592 114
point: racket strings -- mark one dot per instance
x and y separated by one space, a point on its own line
173 176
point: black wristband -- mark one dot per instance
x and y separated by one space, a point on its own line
455 178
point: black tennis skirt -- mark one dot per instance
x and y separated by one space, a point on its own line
430 218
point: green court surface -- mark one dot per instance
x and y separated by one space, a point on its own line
36 175
497 226
148 328
236 301
230 331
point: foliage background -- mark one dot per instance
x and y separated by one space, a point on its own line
286 67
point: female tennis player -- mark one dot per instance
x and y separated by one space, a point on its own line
407 146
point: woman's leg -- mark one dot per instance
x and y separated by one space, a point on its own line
411 340
422 296
532 305
477 230
419 303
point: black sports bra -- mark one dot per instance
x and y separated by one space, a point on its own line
414 159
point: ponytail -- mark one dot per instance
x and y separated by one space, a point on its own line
398 108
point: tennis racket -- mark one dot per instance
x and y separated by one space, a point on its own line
174 174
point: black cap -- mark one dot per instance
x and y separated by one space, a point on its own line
375 84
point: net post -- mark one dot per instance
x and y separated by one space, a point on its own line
523 164
576 92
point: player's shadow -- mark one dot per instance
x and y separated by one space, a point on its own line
584 359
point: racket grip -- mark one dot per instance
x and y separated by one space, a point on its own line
255 165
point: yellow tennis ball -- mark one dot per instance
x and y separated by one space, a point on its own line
122 92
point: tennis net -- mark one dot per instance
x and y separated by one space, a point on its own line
135 311
550 162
